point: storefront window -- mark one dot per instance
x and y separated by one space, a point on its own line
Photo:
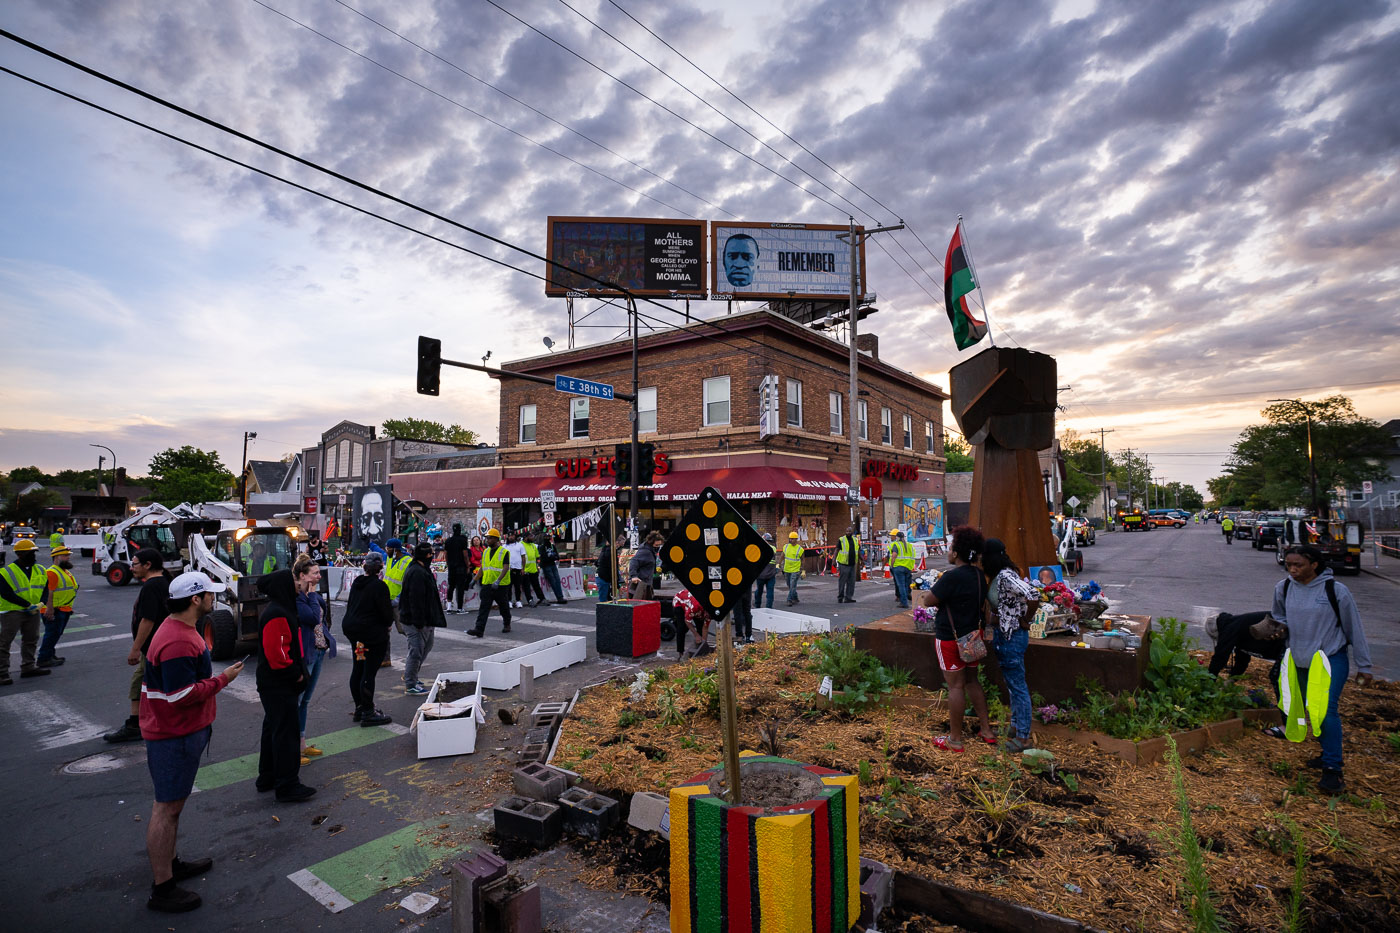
578 418
716 400
835 406
646 409
908 432
886 426
794 403
527 424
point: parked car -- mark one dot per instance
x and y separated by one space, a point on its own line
1268 533
1244 527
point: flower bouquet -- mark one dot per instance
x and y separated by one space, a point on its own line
923 619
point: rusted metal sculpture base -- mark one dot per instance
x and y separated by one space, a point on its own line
1008 502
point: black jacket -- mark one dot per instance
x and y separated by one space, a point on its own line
1234 638
282 658
369 612
420 604
456 548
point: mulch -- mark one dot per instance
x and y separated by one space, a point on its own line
1095 847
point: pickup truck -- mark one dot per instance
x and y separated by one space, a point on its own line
1339 541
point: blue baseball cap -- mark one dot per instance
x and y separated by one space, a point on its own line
395 543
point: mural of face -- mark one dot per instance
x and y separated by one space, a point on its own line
371 517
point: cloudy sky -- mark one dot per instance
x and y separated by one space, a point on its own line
1193 206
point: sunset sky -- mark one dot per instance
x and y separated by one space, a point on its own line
1193 206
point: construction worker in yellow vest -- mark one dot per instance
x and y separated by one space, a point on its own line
494 574
55 541
847 565
22 585
901 558
57 609
792 565
534 593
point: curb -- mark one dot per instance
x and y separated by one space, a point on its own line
1377 574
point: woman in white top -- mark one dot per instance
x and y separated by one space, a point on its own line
1011 602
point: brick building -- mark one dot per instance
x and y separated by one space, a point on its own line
702 402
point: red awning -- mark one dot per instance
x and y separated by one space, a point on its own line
682 485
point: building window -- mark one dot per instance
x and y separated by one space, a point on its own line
527 424
312 478
342 462
908 432
377 476
578 418
298 484
835 406
928 436
886 426
646 410
864 420
1357 496
794 403
357 460
716 400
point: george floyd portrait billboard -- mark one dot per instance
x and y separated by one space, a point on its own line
654 258
373 516
781 260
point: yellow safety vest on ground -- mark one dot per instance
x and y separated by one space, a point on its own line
792 558
30 586
495 567
532 558
843 552
393 575
67 589
902 554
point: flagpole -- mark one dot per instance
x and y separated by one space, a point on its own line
967 254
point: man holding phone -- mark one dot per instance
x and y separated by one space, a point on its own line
177 715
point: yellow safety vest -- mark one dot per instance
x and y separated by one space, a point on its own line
902 554
532 558
792 558
67 589
55 540
30 587
495 567
843 553
393 575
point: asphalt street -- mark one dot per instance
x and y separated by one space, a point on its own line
385 823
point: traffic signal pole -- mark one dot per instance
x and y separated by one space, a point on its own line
636 466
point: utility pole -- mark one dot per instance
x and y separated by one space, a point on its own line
1129 462
853 401
1103 469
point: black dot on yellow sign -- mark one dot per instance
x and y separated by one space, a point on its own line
716 553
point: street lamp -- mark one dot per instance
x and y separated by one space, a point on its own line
1045 476
114 465
243 478
1312 467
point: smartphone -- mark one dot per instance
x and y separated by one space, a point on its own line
245 659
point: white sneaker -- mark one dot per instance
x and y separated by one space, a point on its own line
519 604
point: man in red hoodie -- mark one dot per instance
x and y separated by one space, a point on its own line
177 712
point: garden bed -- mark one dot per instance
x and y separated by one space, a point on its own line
1148 751
1089 840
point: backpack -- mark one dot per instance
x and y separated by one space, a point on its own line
1331 587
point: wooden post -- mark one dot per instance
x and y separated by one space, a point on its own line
728 710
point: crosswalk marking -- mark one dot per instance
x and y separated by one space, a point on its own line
94 641
53 721
578 627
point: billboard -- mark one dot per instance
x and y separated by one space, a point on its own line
655 258
779 260
922 517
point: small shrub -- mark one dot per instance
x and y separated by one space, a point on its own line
858 675
629 717
1196 894
668 710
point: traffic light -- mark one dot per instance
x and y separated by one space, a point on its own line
622 465
429 365
646 464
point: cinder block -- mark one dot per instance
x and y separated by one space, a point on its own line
513 910
587 814
538 781
876 890
550 724
536 737
533 752
468 875
650 813
533 821
543 711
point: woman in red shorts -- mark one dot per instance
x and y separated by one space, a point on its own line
960 595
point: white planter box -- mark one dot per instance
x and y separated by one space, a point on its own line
501 671
789 623
438 737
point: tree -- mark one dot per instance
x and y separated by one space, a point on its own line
29 474
26 508
420 429
1133 473
188 475
1268 465
959 455
1084 460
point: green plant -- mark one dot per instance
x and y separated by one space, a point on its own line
629 717
1071 782
863 773
858 675
661 674
689 741
1196 893
1281 768
1293 917
998 803
668 710
705 685
1394 739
